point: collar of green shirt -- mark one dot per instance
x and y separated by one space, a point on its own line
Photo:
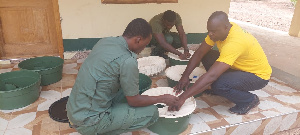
122 39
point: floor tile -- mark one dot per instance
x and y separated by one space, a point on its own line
6 66
81 60
45 105
42 117
18 131
5 115
46 129
70 61
74 133
5 70
252 117
68 80
3 124
246 129
55 86
207 117
2 132
217 123
222 110
65 129
195 119
70 68
270 113
30 108
66 92
272 125
234 119
288 99
21 120
50 94
288 121
260 93
282 87
69 55
199 127
264 105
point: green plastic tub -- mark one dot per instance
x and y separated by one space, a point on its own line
175 60
170 126
49 67
171 123
19 89
144 82
174 74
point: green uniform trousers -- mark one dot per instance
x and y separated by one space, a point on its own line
171 38
122 118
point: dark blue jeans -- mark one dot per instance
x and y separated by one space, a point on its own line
234 84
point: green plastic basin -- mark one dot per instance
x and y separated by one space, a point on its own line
170 126
175 60
144 82
19 89
176 71
49 67
171 123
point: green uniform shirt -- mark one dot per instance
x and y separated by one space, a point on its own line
110 67
157 23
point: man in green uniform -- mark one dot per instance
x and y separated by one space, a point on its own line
238 67
164 40
105 97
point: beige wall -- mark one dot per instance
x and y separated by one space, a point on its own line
91 19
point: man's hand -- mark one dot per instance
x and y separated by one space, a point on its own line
183 56
187 53
182 85
170 100
177 106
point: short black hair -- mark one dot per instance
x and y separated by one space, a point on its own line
169 16
138 27
220 15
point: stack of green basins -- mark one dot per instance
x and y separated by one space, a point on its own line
19 89
49 67
144 82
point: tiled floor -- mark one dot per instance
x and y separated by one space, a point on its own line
279 110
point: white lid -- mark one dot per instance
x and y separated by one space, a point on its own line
187 108
176 57
175 73
151 65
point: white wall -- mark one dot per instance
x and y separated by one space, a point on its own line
92 19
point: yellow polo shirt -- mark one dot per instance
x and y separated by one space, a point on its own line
242 52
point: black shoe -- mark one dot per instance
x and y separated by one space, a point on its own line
244 109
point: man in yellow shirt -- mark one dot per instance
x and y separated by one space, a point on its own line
240 65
